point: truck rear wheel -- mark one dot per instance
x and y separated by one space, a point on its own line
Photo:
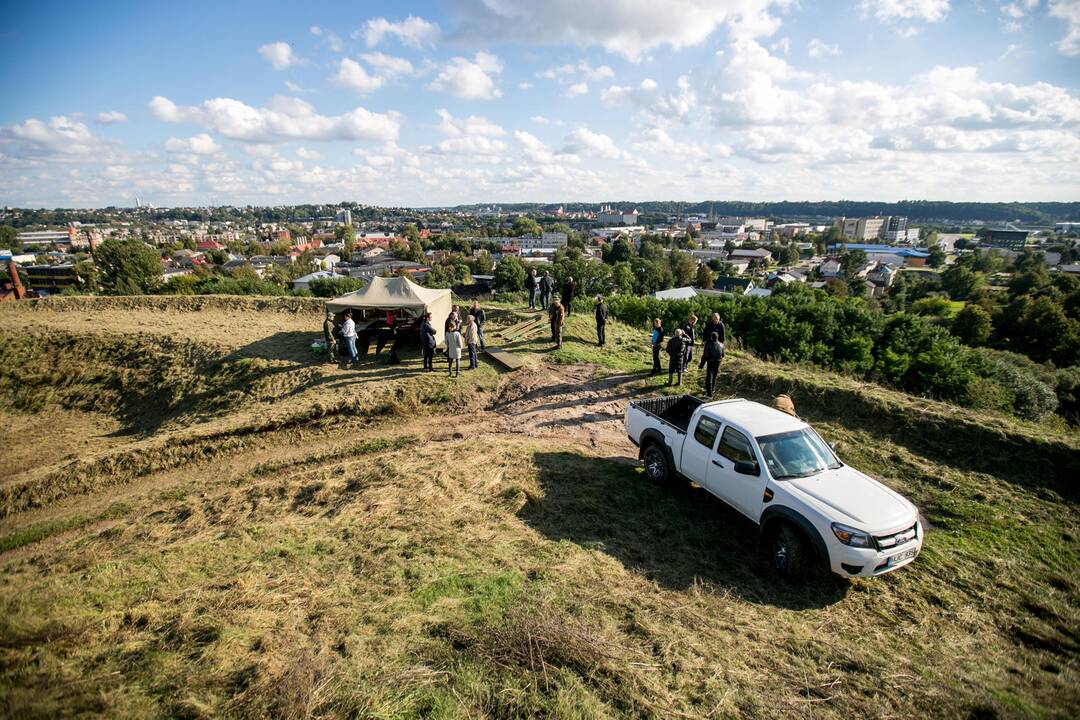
656 464
790 553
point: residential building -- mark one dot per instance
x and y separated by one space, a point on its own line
750 254
304 283
895 229
736 285
862 228
47 237
905 256
344 217
551 240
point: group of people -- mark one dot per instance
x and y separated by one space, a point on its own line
460 334
464 331
540 290
680 349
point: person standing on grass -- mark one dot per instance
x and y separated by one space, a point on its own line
330 341
454 318
657 342
348 332
478 313
689 337
557 315
547 285
601 320
453 351
427 341
711 355
531 286
471 338
569 290
715 325
675 349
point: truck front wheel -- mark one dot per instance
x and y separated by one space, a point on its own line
790 553
656 465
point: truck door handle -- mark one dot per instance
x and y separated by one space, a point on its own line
717 464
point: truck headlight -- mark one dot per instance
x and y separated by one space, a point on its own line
851 536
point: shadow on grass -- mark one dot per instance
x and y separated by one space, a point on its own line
677 535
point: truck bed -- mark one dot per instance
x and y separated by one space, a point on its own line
675 410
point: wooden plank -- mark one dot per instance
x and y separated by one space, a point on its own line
504 358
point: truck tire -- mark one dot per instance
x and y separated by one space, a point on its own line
790 553
656 464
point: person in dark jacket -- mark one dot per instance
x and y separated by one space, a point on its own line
656 340
454 318
330 340
531 286
546 286
481 317
557 316
711 355
601 321
675 349
569 290
690 336
427 342
714 325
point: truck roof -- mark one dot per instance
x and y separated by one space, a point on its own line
755 418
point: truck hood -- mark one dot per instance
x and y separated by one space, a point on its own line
853 498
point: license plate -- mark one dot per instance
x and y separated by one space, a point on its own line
901 557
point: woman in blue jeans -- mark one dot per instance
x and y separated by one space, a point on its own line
348 332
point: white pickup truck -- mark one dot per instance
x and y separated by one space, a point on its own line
812 509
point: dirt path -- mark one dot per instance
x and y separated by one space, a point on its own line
567 404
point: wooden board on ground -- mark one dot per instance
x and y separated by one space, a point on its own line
516 327
508 360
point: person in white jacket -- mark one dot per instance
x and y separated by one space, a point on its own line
453 350
348 331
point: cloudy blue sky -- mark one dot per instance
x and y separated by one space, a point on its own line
433 103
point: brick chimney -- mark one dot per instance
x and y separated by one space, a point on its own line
16 283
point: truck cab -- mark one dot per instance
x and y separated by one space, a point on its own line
812 509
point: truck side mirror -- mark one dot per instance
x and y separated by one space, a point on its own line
746 468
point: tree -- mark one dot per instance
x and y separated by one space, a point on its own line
9 239
683 268
618 251
346 235
851 263
972 325
705 278
524 226
128 267
960 282
937 256
510 274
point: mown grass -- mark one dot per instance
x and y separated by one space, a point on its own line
402 576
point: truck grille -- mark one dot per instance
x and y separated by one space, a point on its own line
888 542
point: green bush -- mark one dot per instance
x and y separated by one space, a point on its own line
333 287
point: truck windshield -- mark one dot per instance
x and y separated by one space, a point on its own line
795 454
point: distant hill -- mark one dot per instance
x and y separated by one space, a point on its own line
1034 213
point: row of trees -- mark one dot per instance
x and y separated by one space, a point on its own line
905 350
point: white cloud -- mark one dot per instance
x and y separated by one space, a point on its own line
584 141
110 117
201 144
629 29
583 70
893 10
782 45
305 154
542 120
580 88
524 85
387 65
472 125
816 48
412 31
279 54
286 119
315 30
60 136
295 87
352 75
470 79
1069 12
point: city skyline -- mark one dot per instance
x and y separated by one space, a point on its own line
445 103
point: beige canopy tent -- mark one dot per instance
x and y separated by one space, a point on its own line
397 294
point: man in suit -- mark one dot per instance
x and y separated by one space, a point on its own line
601 321
427 342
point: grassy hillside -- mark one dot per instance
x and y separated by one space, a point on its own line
201 519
